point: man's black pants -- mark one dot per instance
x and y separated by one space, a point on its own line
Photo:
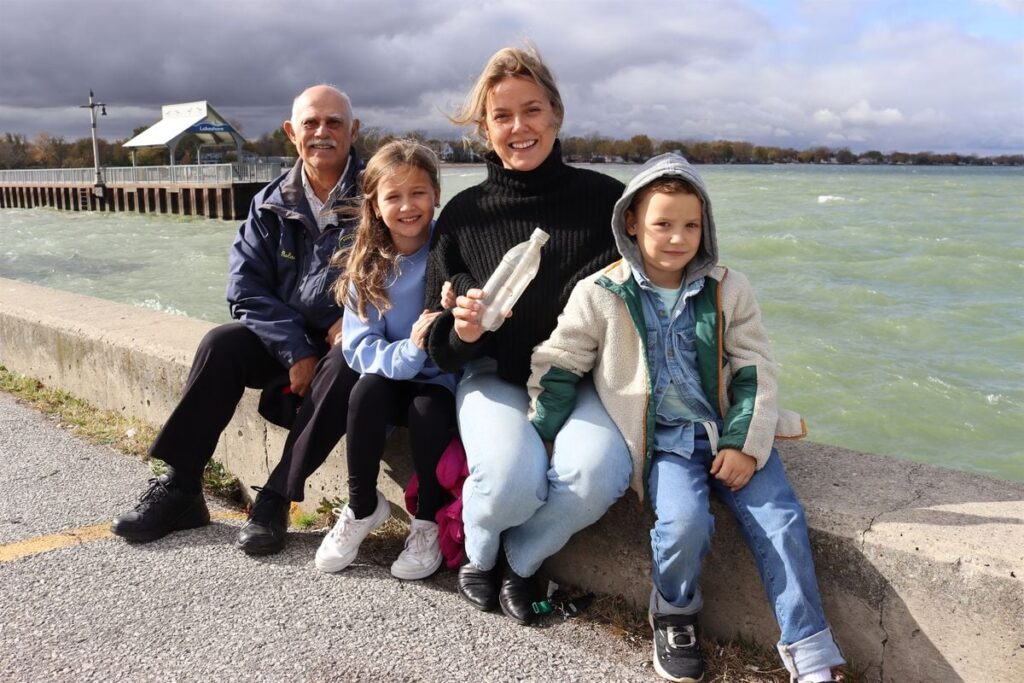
229 359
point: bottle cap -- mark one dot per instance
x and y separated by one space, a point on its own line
539 236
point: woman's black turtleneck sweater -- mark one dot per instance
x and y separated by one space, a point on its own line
477 227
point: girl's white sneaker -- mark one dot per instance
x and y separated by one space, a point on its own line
422 554
341 544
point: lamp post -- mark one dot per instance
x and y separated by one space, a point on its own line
95 148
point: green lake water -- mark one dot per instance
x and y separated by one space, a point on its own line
893 296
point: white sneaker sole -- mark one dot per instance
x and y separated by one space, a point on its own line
657 665
417 574
332 564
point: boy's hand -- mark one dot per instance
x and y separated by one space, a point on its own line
467 312
733 468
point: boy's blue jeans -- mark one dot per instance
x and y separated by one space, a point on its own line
515 493
771 520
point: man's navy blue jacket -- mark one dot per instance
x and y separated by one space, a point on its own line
279 279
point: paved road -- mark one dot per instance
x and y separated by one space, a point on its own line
79 605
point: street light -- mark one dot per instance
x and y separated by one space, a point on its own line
95 148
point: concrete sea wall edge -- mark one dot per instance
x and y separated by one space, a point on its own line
921 568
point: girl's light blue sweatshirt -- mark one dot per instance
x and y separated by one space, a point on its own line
381 346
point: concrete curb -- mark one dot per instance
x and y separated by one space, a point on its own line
921 568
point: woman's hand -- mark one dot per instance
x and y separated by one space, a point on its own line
467 312
421 327
447 295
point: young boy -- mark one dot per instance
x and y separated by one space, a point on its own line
681 362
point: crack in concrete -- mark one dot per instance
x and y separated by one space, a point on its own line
33 477
918 494
885 640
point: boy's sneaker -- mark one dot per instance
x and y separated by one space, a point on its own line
161 510
422 554
341 544
677 654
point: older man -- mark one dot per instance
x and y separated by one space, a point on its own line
278 290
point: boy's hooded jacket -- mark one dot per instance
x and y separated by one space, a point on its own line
602 330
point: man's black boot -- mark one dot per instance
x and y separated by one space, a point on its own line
163 508
264 532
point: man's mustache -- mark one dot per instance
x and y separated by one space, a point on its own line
322 142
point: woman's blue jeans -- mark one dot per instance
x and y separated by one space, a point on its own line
772 522
514 491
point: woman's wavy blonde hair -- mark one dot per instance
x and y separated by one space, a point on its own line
508 62
369 265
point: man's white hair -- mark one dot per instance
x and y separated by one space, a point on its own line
329 86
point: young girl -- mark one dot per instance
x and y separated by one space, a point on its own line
383 340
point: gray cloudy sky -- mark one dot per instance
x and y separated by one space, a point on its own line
941 75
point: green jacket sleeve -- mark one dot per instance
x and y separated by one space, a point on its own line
559 362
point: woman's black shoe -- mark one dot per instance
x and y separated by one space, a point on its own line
515 596
479 587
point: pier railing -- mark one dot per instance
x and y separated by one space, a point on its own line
195 174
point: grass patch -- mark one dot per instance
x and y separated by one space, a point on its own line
124 434
107 428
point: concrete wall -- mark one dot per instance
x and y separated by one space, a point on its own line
921 568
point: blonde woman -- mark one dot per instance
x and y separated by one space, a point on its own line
519 505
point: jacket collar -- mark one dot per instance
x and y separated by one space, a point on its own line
290 197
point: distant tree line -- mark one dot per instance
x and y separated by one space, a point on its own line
49 151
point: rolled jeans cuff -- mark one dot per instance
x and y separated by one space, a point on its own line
660 606
818 651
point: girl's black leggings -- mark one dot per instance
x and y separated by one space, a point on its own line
428 410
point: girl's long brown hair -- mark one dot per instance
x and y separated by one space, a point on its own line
369 265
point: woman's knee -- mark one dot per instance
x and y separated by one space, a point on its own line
496 490
598 472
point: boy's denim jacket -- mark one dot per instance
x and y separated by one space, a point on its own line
672 350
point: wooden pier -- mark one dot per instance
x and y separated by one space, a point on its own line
211 190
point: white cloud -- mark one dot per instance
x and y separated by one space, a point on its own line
861 113
826 118
1012 6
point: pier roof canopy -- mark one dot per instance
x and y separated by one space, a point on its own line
179 120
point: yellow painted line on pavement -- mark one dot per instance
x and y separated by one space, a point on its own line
63 539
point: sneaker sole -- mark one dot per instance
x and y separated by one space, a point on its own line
657 665
334 565
416 576
258 549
